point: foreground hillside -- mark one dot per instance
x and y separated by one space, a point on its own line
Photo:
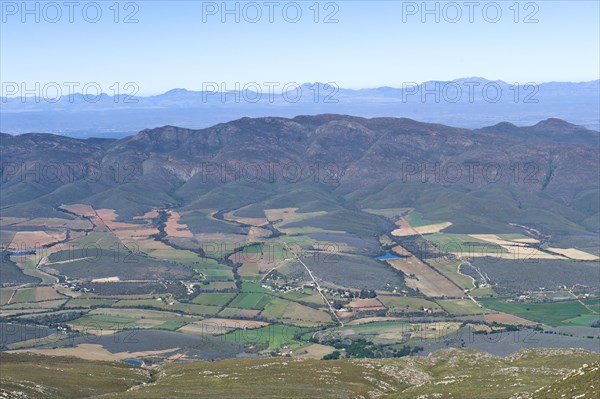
448 373
581 383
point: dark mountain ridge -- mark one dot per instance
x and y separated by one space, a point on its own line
492 176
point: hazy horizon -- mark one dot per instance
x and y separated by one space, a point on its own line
188 43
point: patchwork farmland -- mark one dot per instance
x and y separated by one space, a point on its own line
98 275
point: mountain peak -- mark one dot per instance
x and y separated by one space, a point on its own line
478 79
555 123
502 126
176 91
162 134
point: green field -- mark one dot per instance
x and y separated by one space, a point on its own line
486 291
449 268
376 328
24 295
116 318
593 304
176 255
460 306
218 274
214 299
571 313
415 219
96 238
252 287
88 303
512 236
302 216
387 212
295 313
213 270
216 286
237 312
106 322
250 300
275 336
5 294
29 265
309 296
35 305
194 309
189 308
149 302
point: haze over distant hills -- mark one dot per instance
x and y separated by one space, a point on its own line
467 102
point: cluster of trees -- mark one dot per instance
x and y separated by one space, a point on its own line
332 356
357 294
50 321
362 348
362 294
367 294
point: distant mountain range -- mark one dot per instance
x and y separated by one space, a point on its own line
467 102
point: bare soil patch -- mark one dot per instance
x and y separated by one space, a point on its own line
174 229
281 215
114 279
425 279
366 304
256 233
109 216
432 228
148 215
314 351
367 320
257 222
400 250
44 222
93 352
36 239
573 253
506 318
517 250
46 294
404 229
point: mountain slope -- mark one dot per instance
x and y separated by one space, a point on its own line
492 176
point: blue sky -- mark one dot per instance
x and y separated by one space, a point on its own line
174 44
